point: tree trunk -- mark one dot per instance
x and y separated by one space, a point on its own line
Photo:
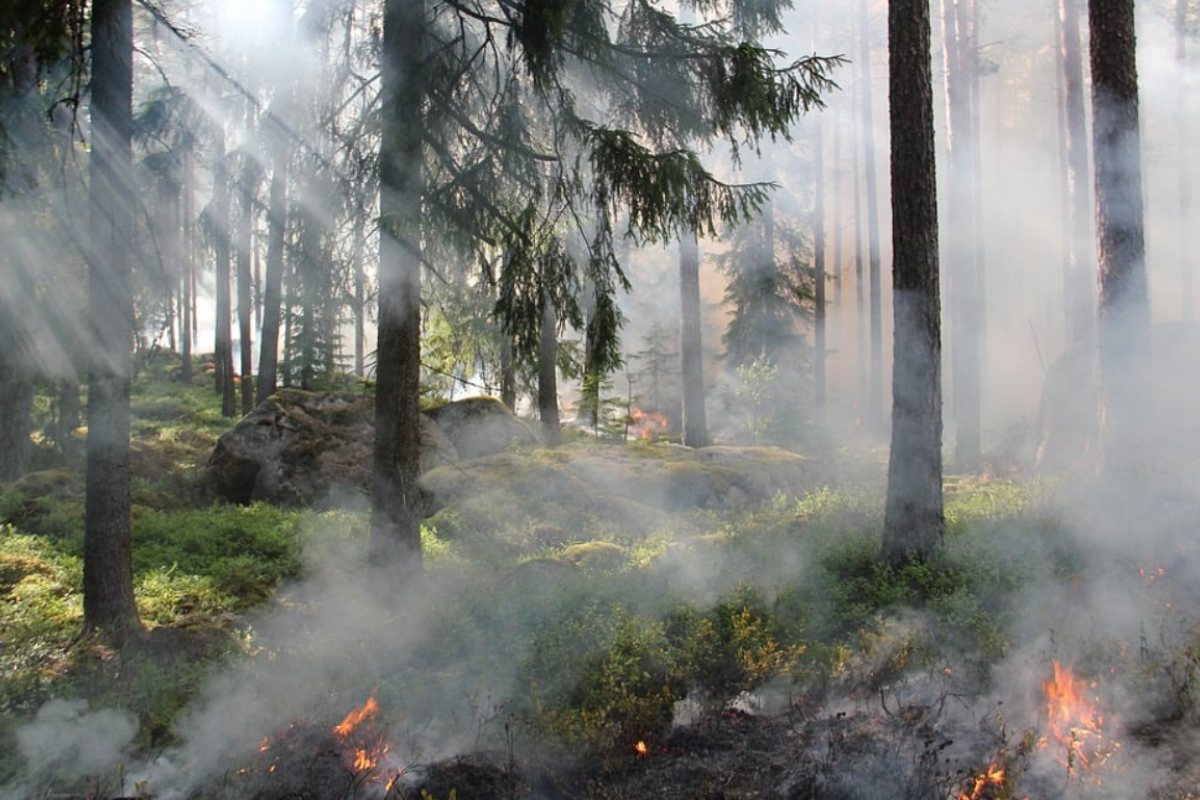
695 425
187 270
875 391
16 406
861 330
397 506
360 294
108 600
965 341
245 300
508 374
1124 318
268 358
222 335
548 377
1078 283
819 268
914 519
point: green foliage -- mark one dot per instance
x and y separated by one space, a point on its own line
240 552
734 648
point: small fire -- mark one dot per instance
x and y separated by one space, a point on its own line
1075 721
356 717
647 424
368 748
990 776
641 749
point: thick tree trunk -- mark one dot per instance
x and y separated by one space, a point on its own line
397 506
965 341
1079 282
1124 318
108 600
548 377
695 425
875 383
268 359
914 519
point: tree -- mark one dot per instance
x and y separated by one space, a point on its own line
1078 272
1124 308
914 518
108 599
469 153
695 423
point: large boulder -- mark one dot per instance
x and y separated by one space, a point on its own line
481 426
302 448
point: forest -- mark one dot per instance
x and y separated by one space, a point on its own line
598 399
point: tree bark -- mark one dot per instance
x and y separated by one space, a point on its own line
914 518
397 506
268 359
108 599
548 377
695 425
1124 310
222 334
245 300
187 280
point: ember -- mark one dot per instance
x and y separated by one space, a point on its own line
992 777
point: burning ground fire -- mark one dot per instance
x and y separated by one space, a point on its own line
356 747
1075 722
647 424
1074 734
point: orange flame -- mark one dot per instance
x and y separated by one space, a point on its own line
356 717
993 775
1075 721
641 749
646 424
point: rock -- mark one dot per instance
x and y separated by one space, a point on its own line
482 426
301 448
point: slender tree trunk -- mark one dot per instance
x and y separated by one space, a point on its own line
695 425
1078 288
508 374
245 300
187 280
360 295
875 393
69 407
965 350
548 377
108 600
819 268
1187 276
223 337
397 505
1124 319
914 519
268 358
